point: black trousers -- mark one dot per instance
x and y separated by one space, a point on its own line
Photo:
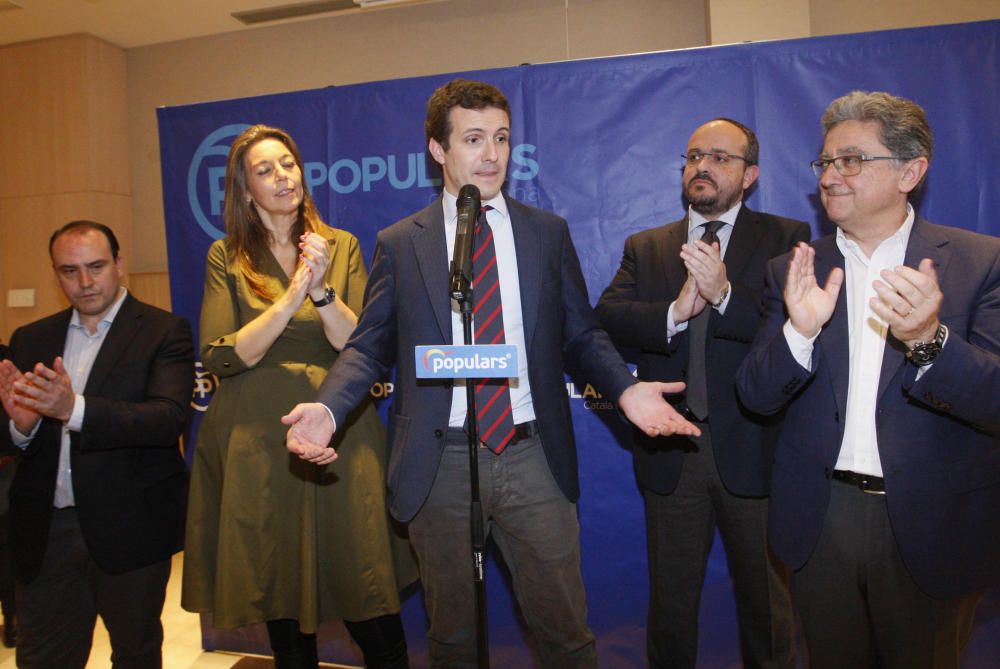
58 610
680 528
859 605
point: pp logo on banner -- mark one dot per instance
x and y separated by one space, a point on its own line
208 168
205 385
463 362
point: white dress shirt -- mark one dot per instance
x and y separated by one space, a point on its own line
78 356
866 335
510 294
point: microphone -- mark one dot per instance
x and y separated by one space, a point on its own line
461 265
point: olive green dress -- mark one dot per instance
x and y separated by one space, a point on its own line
269 535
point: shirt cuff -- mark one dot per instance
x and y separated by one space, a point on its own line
801 347
22 440
673 329
75 422
332 419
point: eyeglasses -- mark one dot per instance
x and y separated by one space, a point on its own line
720 158
847 165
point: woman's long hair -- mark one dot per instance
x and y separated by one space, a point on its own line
249 239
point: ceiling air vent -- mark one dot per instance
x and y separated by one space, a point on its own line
292 11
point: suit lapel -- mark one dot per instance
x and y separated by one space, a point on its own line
746 235
54 343
834 340
528 247
924 242
123 330
431 249
674 235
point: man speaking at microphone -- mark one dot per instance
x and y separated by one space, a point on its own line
529 292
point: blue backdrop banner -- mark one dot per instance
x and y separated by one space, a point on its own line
599 143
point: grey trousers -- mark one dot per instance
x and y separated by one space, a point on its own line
56 612
535 528
859 605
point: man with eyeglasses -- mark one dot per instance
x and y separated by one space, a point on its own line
687 295
886 493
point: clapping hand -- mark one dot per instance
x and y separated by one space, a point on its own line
809 306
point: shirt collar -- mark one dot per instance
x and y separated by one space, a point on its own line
729 218
108 319
498 203
901 238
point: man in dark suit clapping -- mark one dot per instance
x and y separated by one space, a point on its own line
95 398
881 344
687 296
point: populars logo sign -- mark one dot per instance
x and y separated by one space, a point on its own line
206 177
462 362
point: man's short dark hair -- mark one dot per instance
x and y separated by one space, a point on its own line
459 93
84 226
752 154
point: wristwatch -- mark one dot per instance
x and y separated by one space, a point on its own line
328 296
722 297
923 353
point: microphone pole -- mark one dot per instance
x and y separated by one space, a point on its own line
460 288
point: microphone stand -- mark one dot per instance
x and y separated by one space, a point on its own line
461 291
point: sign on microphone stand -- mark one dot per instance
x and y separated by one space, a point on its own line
479 361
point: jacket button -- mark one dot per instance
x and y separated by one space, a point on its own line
438 433
226 364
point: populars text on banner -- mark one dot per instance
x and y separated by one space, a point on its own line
464 362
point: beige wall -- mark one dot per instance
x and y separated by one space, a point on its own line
848 16
63 135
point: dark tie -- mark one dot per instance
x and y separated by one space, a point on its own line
496 422
697 385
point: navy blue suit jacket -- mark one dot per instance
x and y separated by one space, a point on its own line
938 437
407 303
633 309
129 478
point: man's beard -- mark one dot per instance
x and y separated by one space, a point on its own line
711 204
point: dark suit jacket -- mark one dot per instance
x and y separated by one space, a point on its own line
633 309
938 437
129 479
407 303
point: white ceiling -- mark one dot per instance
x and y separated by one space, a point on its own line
132 23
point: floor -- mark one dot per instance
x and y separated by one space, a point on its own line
181 639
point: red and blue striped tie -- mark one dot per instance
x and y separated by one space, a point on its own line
493 407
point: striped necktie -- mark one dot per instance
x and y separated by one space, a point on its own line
493 407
